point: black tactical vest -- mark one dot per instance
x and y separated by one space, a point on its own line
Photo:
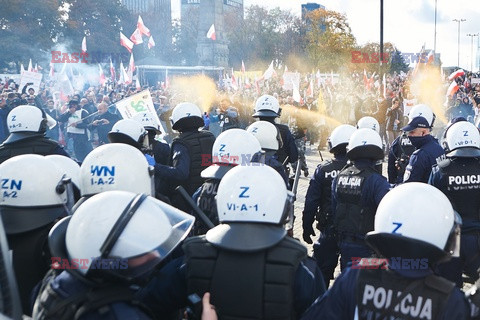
330 170
462 186
198 143
383 292
35 145
206 202
351 218
282 153
245 285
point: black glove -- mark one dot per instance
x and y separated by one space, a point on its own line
307 232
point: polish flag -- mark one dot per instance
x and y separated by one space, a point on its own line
138 86
452 89
51 74
102 75
112 70
151 43
124 79
430 57
136 37
142 28
36 68
22 68
131 65
211 33
243 67
309 92
124 41
296 93
84 44
234 82
270 72
30 67
456 74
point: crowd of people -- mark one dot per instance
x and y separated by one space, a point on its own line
105 220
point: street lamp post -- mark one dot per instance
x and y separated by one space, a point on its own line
458 51
471 35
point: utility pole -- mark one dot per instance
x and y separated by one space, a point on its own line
471 35
458 50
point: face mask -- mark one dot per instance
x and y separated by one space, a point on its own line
417 142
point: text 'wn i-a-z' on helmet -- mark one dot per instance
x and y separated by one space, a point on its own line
369 123
127 232
422 110
400 223
462 139
116 166
232 147
267 106
34 193
186 115
252 204
267 134
130 132
26 118
365 144
338 140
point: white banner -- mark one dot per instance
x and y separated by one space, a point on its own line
32 78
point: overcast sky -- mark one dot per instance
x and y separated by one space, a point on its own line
408 24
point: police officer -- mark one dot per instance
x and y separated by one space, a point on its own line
267 108
115 166
428 150
227 153
185 162
158 149
34 195
318 203
113 241
457 178
405 287
27 125
270 141
356 193
250 237
398 158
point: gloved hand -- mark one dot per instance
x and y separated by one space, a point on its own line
307 232
150 160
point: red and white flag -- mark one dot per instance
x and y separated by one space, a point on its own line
456 74
36 68
430 57
270 72
211 33
142 28
112 70
136 37
309 92
84 44
234 82
296 93
151 43
452 89
30 66
124 79
138 86
51 74
102 75
131 64
22 68
124 41
243 67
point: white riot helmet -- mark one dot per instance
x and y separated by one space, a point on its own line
34 193
131 232
365 144
232 147
267 134
147 120
130 132
422 110
24 120
401 219
267 106
462 139
339 138
369 123
254 216
186 115
116 166
68 166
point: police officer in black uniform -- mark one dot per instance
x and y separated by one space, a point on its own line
318 203
187 151
250 267
403 285
458 178
27 125
267 108
227 153
398 157
356 193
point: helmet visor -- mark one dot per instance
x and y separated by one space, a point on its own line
452 247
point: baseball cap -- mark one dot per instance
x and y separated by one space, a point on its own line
417 122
